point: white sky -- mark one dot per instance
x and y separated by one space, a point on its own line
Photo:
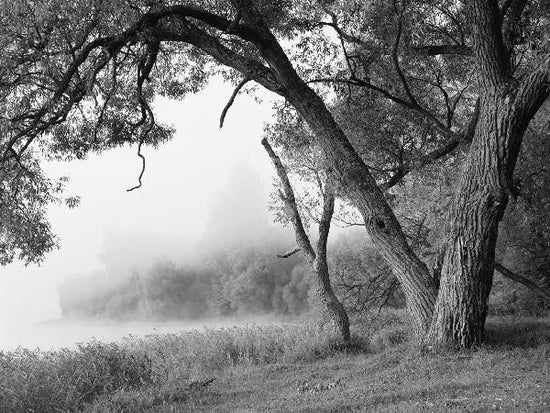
182 183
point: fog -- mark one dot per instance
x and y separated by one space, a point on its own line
206 189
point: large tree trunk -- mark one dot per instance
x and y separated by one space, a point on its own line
481 199
482 196
506 107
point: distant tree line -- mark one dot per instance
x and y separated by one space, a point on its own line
239 281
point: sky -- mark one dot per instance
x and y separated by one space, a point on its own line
206 182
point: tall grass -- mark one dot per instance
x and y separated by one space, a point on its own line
197 353
63 380
149 370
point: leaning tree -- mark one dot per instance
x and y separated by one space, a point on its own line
81 76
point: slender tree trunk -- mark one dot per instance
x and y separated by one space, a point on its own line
317 257
335 309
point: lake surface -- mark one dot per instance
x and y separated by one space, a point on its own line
56 334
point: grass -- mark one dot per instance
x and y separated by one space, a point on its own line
285 368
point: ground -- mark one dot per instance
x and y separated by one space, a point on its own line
511 373
398 380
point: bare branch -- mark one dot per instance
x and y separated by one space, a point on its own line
232 99
289 253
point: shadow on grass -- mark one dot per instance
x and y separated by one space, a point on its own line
517 332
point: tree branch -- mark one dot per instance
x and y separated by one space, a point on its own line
444 49
142 168
250 68
533 90
522 280
232 99
395 59
289 253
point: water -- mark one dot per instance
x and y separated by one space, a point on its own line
56 334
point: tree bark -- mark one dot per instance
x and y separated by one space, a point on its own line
467 273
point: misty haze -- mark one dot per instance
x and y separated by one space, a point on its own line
273 206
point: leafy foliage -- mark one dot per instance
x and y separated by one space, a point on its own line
25 193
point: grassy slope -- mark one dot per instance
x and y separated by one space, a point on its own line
508 380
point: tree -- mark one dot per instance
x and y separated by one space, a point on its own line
317 257
86 73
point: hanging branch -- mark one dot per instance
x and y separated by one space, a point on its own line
142 168
144 69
